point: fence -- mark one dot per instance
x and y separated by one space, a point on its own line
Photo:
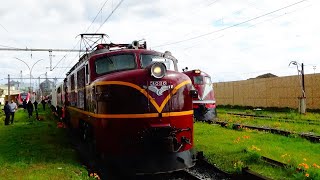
269 92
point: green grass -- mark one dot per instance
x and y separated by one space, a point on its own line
230 150
273 123
32 149
291 114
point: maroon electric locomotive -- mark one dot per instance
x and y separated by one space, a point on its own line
204 104
132 105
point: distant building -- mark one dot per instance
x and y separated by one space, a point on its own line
4 93
19 85
267 75
46 87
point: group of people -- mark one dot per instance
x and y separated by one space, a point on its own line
10 109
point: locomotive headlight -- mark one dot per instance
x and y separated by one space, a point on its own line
158 70
197 71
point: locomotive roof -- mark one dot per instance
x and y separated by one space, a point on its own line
192 72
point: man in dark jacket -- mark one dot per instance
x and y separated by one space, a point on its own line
43 102
30 108
24 104
35 105
7 112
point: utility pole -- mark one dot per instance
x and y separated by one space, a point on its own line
50 57
20 78
39 81
303 87
8 87
303 104
302 98
55 82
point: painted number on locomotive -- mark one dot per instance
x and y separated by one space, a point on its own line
158 83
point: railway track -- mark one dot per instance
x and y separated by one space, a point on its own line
203 170
183 174
98 169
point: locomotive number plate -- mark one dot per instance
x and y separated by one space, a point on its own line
158 83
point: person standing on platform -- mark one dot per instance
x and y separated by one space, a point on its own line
35 105
24 104
30 108
13 107
43 102
7 113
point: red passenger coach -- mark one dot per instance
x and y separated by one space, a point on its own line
205 104
132 106
23 96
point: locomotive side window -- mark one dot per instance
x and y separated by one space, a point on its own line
87 74
72 93
80 88
72 83
198 79
147 59
115 63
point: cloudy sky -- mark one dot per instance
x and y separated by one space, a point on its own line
229 39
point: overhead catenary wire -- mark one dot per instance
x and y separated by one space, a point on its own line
4 28
118 5
9 38
63 71
5 46
97 15
174 17
85 32
254 25
65 55
90 26
231 26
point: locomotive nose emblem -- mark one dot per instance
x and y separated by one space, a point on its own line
158 91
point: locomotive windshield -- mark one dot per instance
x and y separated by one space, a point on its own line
207 80
198 79
147 59
115 63
201 80
24 95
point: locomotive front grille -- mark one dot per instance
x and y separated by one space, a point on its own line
162 139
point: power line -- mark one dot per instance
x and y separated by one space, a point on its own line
97 15
80 40
62 72
4 28
86 31
243 22
110 15
66 55
254 25
6 46
175 17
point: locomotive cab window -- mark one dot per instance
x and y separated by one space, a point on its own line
147 59
207 80
198 79
24 95
114 63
